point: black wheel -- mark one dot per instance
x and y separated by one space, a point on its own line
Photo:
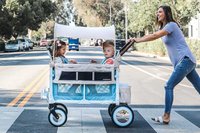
61 120
62 106
122 116
110 108
27 49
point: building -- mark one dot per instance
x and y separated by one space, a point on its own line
194 27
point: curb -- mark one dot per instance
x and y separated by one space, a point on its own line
159 57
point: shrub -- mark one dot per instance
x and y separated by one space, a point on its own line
194 45
153 47
158 48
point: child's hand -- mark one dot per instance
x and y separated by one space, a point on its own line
93 61
73 61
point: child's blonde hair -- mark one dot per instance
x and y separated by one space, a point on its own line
108 43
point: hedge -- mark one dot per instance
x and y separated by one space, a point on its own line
158 48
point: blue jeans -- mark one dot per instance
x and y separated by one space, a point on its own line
186 68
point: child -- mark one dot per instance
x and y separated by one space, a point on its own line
124 89
60 49
109 51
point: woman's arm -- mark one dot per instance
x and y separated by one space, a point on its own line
150 37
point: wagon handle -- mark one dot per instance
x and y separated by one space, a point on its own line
126 47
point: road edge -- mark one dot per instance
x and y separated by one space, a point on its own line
158 57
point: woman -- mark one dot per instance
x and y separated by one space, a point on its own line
179 53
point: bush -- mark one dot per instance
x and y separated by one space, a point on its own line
158 48
194 45
153 47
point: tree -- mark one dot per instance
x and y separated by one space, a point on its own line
87 12
64 14
17 16
142 14
5 27
97 13
184 10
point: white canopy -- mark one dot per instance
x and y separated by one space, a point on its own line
84 32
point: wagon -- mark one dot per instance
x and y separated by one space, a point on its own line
88 83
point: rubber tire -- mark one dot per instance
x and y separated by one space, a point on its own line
114 113
62 113
60 105
110 108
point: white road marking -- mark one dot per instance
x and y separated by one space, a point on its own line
178 123
8 116
155 76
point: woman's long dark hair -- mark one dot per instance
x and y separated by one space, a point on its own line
169 17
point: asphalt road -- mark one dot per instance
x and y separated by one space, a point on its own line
24 74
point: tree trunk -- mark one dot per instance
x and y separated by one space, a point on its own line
15 35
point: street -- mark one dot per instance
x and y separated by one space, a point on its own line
24 74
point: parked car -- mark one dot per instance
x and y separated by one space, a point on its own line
36 43
64 39
73 44
43 43
98 42
30 43
120 43
25 44
14 45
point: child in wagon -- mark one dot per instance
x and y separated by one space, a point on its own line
109 51
60 50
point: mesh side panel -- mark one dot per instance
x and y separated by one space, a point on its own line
67 92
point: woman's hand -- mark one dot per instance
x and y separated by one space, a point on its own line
133 40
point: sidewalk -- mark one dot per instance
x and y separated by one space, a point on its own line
158 57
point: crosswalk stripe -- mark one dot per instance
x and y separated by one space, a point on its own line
8 115
177 124
83 121
73 124
90 120
191 115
